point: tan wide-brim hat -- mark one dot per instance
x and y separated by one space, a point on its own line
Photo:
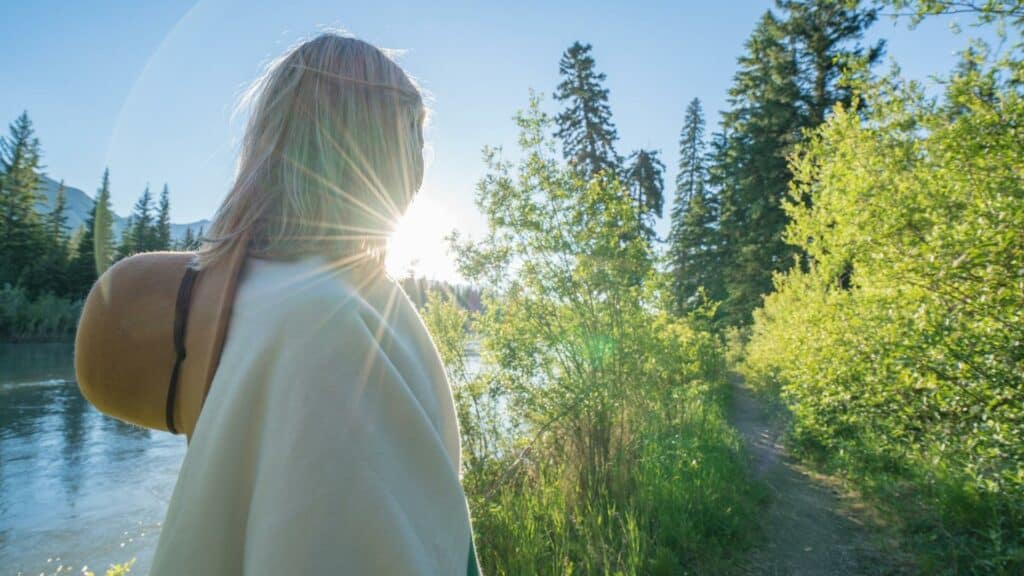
150 337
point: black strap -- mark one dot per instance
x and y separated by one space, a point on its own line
180 321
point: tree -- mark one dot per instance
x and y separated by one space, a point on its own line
57 219
163 222
140 235
693 238
692 170
189 241
898 348
789 80
646 187
103 233
55 256
585 126
95 247
21 232
986 11
823 31
750 171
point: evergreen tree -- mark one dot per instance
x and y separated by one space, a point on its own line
127 244
82 271
163 222
646 185
750 170
142 227
55 256
191 240
692 171
826 34
21 232
693 239
188 241
57 219
585 126
103 232
788 80
94 249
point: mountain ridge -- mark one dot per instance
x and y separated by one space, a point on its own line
79 204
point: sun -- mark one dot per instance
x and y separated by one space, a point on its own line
418 243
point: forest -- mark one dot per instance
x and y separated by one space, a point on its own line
46 268
847 243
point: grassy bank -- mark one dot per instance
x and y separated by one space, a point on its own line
668 496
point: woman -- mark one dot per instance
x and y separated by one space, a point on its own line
328 443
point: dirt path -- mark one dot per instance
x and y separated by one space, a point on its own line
810 527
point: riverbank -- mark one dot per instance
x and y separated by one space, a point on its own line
45 318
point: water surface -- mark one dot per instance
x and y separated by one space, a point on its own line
77 488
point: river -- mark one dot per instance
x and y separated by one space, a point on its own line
77 488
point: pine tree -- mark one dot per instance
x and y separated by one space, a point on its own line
646 185
585 126
693 239
789 79
750 170
142 224
188 241
692 171
21 232
57 219
55 256
103 232
163 222
826 34
94 248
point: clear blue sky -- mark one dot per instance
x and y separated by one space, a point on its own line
148 88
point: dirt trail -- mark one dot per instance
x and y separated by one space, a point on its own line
810 527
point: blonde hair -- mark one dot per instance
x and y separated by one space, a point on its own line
331 158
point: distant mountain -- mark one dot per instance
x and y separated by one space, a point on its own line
79 204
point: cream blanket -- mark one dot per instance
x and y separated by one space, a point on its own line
328 443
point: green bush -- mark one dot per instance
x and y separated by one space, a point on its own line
899 348
46 317
593 432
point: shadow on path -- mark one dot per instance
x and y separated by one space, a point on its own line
807 524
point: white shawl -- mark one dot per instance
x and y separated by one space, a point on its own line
328 443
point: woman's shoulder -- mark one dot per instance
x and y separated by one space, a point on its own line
347 317
315 295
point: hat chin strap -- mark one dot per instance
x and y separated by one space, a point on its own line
180 323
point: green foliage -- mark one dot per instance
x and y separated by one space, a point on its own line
593 433
749 168
585 127
899 349
95 247
162 226
141 233
45 317
790 77
647 188
987 11
21 232
41 267
694 244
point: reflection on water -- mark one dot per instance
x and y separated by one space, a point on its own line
76 487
